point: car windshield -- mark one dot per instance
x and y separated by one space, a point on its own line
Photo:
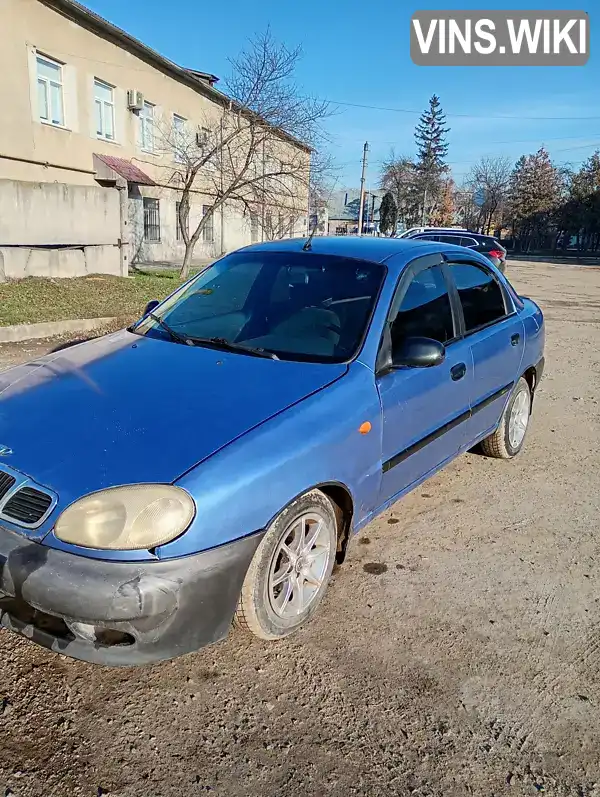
296 306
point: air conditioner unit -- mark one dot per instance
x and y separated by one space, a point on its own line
135 100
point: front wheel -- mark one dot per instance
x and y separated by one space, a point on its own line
509 437
291 568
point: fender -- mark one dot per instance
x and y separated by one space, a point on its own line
243 487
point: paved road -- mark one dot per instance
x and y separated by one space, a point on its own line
465 663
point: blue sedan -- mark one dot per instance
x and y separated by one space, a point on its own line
212 462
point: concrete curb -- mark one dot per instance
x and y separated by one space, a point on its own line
51 329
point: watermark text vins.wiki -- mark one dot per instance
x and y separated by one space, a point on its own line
500 38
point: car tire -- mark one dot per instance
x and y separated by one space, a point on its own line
289 573
509 437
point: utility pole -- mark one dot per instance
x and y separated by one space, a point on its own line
361 206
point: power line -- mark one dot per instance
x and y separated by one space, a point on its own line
540 139
469 115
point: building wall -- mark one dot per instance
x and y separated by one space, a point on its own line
44 214
64 153
44 233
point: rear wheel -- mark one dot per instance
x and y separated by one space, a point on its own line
291 568
509 437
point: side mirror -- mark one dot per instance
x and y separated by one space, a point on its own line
152 304
418 353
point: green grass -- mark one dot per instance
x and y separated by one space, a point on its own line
35 299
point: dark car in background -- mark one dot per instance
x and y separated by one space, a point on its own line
484 244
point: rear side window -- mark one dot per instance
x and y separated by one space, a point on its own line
480 295
468 242
490 243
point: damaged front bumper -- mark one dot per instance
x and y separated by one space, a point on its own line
120 613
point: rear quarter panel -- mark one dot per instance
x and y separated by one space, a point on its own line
535 334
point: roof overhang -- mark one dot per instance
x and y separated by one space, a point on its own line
110 168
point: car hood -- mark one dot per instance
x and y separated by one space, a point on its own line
125 408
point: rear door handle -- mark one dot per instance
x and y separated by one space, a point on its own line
458 371
514 339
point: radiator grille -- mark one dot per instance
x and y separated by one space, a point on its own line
27 505
6 482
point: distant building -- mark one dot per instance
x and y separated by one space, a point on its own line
343 209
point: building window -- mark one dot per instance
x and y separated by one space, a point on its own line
208 232
253 227
50 91
179 233
151 219
105 110
147 127
179 140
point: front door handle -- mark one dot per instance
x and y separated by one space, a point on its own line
458 371
514 340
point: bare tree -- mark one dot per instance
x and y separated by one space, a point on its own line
399 177
254 152
467 212
489 182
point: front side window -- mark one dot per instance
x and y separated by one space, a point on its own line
425 310
50 91
147 127
313 308
449 239
151 220
105 110
481 297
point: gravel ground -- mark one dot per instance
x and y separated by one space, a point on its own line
456 652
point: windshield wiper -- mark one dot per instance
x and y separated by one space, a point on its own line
171 332
222 343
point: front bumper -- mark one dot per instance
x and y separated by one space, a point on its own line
120 613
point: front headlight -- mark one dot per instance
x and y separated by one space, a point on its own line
127 518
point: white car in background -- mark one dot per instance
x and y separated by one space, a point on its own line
416 230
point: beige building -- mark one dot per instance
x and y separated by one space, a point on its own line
81 163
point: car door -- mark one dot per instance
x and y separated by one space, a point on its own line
495 333
424 409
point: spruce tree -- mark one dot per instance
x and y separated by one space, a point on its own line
432 149
388 214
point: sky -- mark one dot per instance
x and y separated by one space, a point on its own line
356 54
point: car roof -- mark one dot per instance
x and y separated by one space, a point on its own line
394 252
377 250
